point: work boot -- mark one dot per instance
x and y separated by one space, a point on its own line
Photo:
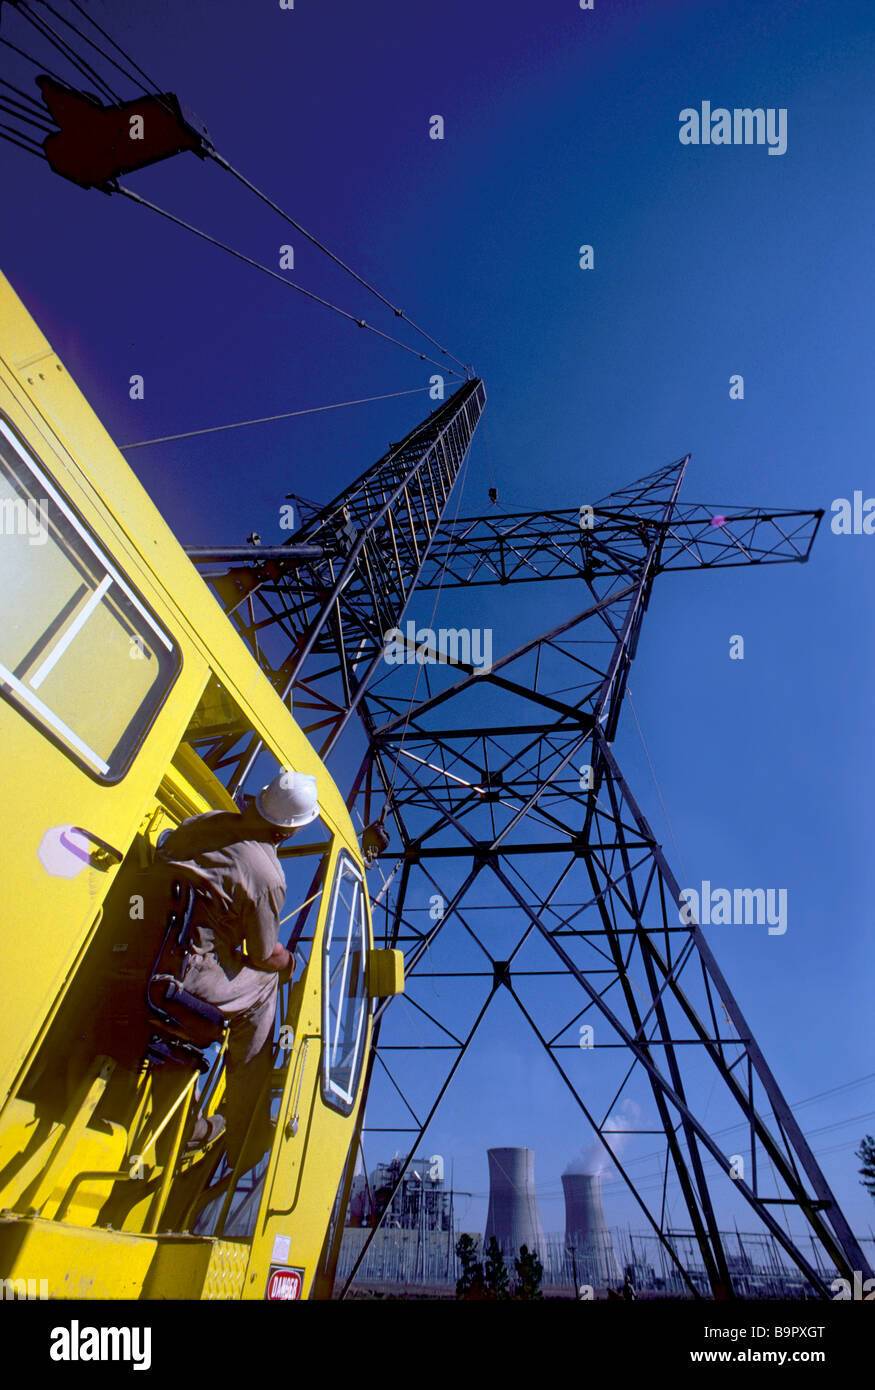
205 1132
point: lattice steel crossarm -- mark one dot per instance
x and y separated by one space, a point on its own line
523 547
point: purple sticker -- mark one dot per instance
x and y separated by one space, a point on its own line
64 851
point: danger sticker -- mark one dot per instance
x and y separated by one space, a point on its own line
285 1284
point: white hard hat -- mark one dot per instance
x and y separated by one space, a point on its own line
289 801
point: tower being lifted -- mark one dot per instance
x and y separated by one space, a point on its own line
499 786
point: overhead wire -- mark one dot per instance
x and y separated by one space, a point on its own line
649 1180
265 419
820 1129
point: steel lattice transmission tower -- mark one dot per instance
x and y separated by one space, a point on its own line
514 832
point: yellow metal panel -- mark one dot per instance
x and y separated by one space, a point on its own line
195 1267
76 1263
385 973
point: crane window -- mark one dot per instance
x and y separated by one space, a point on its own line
345 999
80 653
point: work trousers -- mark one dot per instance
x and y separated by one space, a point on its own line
248 1000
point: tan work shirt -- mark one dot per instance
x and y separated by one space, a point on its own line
240 884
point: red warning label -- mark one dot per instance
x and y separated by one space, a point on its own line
285 1284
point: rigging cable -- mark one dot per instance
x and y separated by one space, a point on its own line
12 138
37 107
42 67
44 28
8 106
399 313
118 48
51 34
96 46
290 284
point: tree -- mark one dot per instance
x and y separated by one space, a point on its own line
470 1284
866 1155
529 1273
495 1272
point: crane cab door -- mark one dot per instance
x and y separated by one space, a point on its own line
85 669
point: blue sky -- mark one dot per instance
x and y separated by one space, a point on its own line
561 129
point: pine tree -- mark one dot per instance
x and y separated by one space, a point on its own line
866 1155
495 1272
529 1273
470 1284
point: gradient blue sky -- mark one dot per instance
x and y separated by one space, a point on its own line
561 128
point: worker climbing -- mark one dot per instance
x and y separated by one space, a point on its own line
230 859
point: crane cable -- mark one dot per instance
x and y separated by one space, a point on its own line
399 313
8 107
45 29
43 67
64 48
290 284
225 164
17 137
148 90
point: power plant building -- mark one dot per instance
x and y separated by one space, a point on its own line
421 1202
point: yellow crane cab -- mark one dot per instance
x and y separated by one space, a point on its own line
126 693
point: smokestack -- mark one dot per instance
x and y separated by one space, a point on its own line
513 1209
585 1229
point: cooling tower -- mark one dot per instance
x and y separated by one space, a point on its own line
513 1210
585 1230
